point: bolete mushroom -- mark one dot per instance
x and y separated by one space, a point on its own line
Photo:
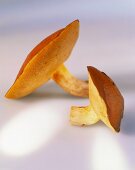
45 61
106 102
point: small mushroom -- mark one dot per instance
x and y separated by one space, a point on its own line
45 62
106 103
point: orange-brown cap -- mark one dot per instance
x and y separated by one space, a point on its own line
110 103
44 60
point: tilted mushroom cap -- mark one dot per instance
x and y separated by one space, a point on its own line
110 95
44 60
106 102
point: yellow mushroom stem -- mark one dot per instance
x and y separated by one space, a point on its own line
82 116
69 83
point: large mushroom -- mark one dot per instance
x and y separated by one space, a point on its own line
106 103
46 61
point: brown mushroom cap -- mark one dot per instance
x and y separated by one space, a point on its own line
44 60
110 95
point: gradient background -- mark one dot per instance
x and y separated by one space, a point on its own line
34 131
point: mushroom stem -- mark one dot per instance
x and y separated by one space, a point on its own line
69 83
83 116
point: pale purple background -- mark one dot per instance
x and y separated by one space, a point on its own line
35 133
